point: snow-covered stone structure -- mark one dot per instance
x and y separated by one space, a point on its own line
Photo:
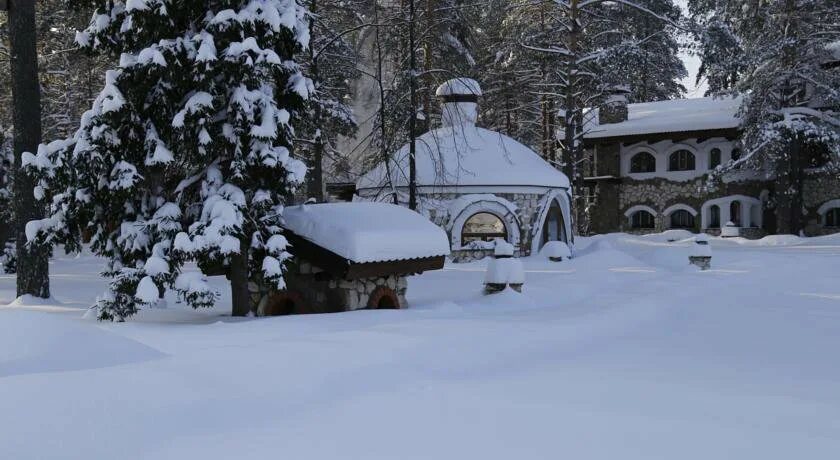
351 256
648 164
477 184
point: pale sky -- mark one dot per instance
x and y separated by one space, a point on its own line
692 64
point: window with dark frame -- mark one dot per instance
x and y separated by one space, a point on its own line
642 220
832 217
682 219
735 213
681 160
714 216
642 162
714 158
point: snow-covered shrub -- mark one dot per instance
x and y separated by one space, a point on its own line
187 152
556 251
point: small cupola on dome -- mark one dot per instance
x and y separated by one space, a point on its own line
459 99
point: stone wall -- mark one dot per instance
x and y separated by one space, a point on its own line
527 212
819 189
309 290
661 194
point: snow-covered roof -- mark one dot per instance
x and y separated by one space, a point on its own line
367 232
678 115
467 156
459 86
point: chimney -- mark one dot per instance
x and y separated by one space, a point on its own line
614 109
459 99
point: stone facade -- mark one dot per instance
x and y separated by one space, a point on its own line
310 290
528 207
612 189
819 189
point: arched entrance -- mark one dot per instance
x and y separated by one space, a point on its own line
554 227
383 298
283 303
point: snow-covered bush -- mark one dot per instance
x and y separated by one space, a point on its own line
556 251
187 152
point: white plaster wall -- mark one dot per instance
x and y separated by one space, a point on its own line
662 151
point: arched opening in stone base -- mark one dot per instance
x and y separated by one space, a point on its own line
383 298
283 303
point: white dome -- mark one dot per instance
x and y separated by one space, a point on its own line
459 86
465 155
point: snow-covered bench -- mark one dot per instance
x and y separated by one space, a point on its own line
351 256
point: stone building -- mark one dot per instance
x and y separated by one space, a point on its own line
351 256
648 165
476 184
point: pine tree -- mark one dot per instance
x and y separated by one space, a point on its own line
572 56
331 63
186 153
787 74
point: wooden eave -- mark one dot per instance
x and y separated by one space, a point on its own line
728 133
340 267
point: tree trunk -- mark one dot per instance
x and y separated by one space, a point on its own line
32 261
315 182
412 122
240 295
789 209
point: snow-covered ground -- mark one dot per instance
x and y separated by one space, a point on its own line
622 353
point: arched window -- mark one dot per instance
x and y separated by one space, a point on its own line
714 158
681 160
735 213
483 226
682 219
642 162
714 216
554 228
642 219
832 217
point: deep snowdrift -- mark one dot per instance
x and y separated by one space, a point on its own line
625 352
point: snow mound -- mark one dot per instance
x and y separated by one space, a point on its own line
35 342
556 250
669 236
367 232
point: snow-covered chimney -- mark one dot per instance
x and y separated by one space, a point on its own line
614 109
459 97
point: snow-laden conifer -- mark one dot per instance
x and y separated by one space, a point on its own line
186 154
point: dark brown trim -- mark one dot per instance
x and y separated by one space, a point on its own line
728 133
459 98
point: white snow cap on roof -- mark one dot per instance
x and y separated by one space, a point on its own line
672 116
367 232
466 155
459 86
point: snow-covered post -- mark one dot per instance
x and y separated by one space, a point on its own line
730 230
503 270
701 252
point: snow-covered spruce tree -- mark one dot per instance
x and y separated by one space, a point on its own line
331 63
788 76
186 154
645 55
